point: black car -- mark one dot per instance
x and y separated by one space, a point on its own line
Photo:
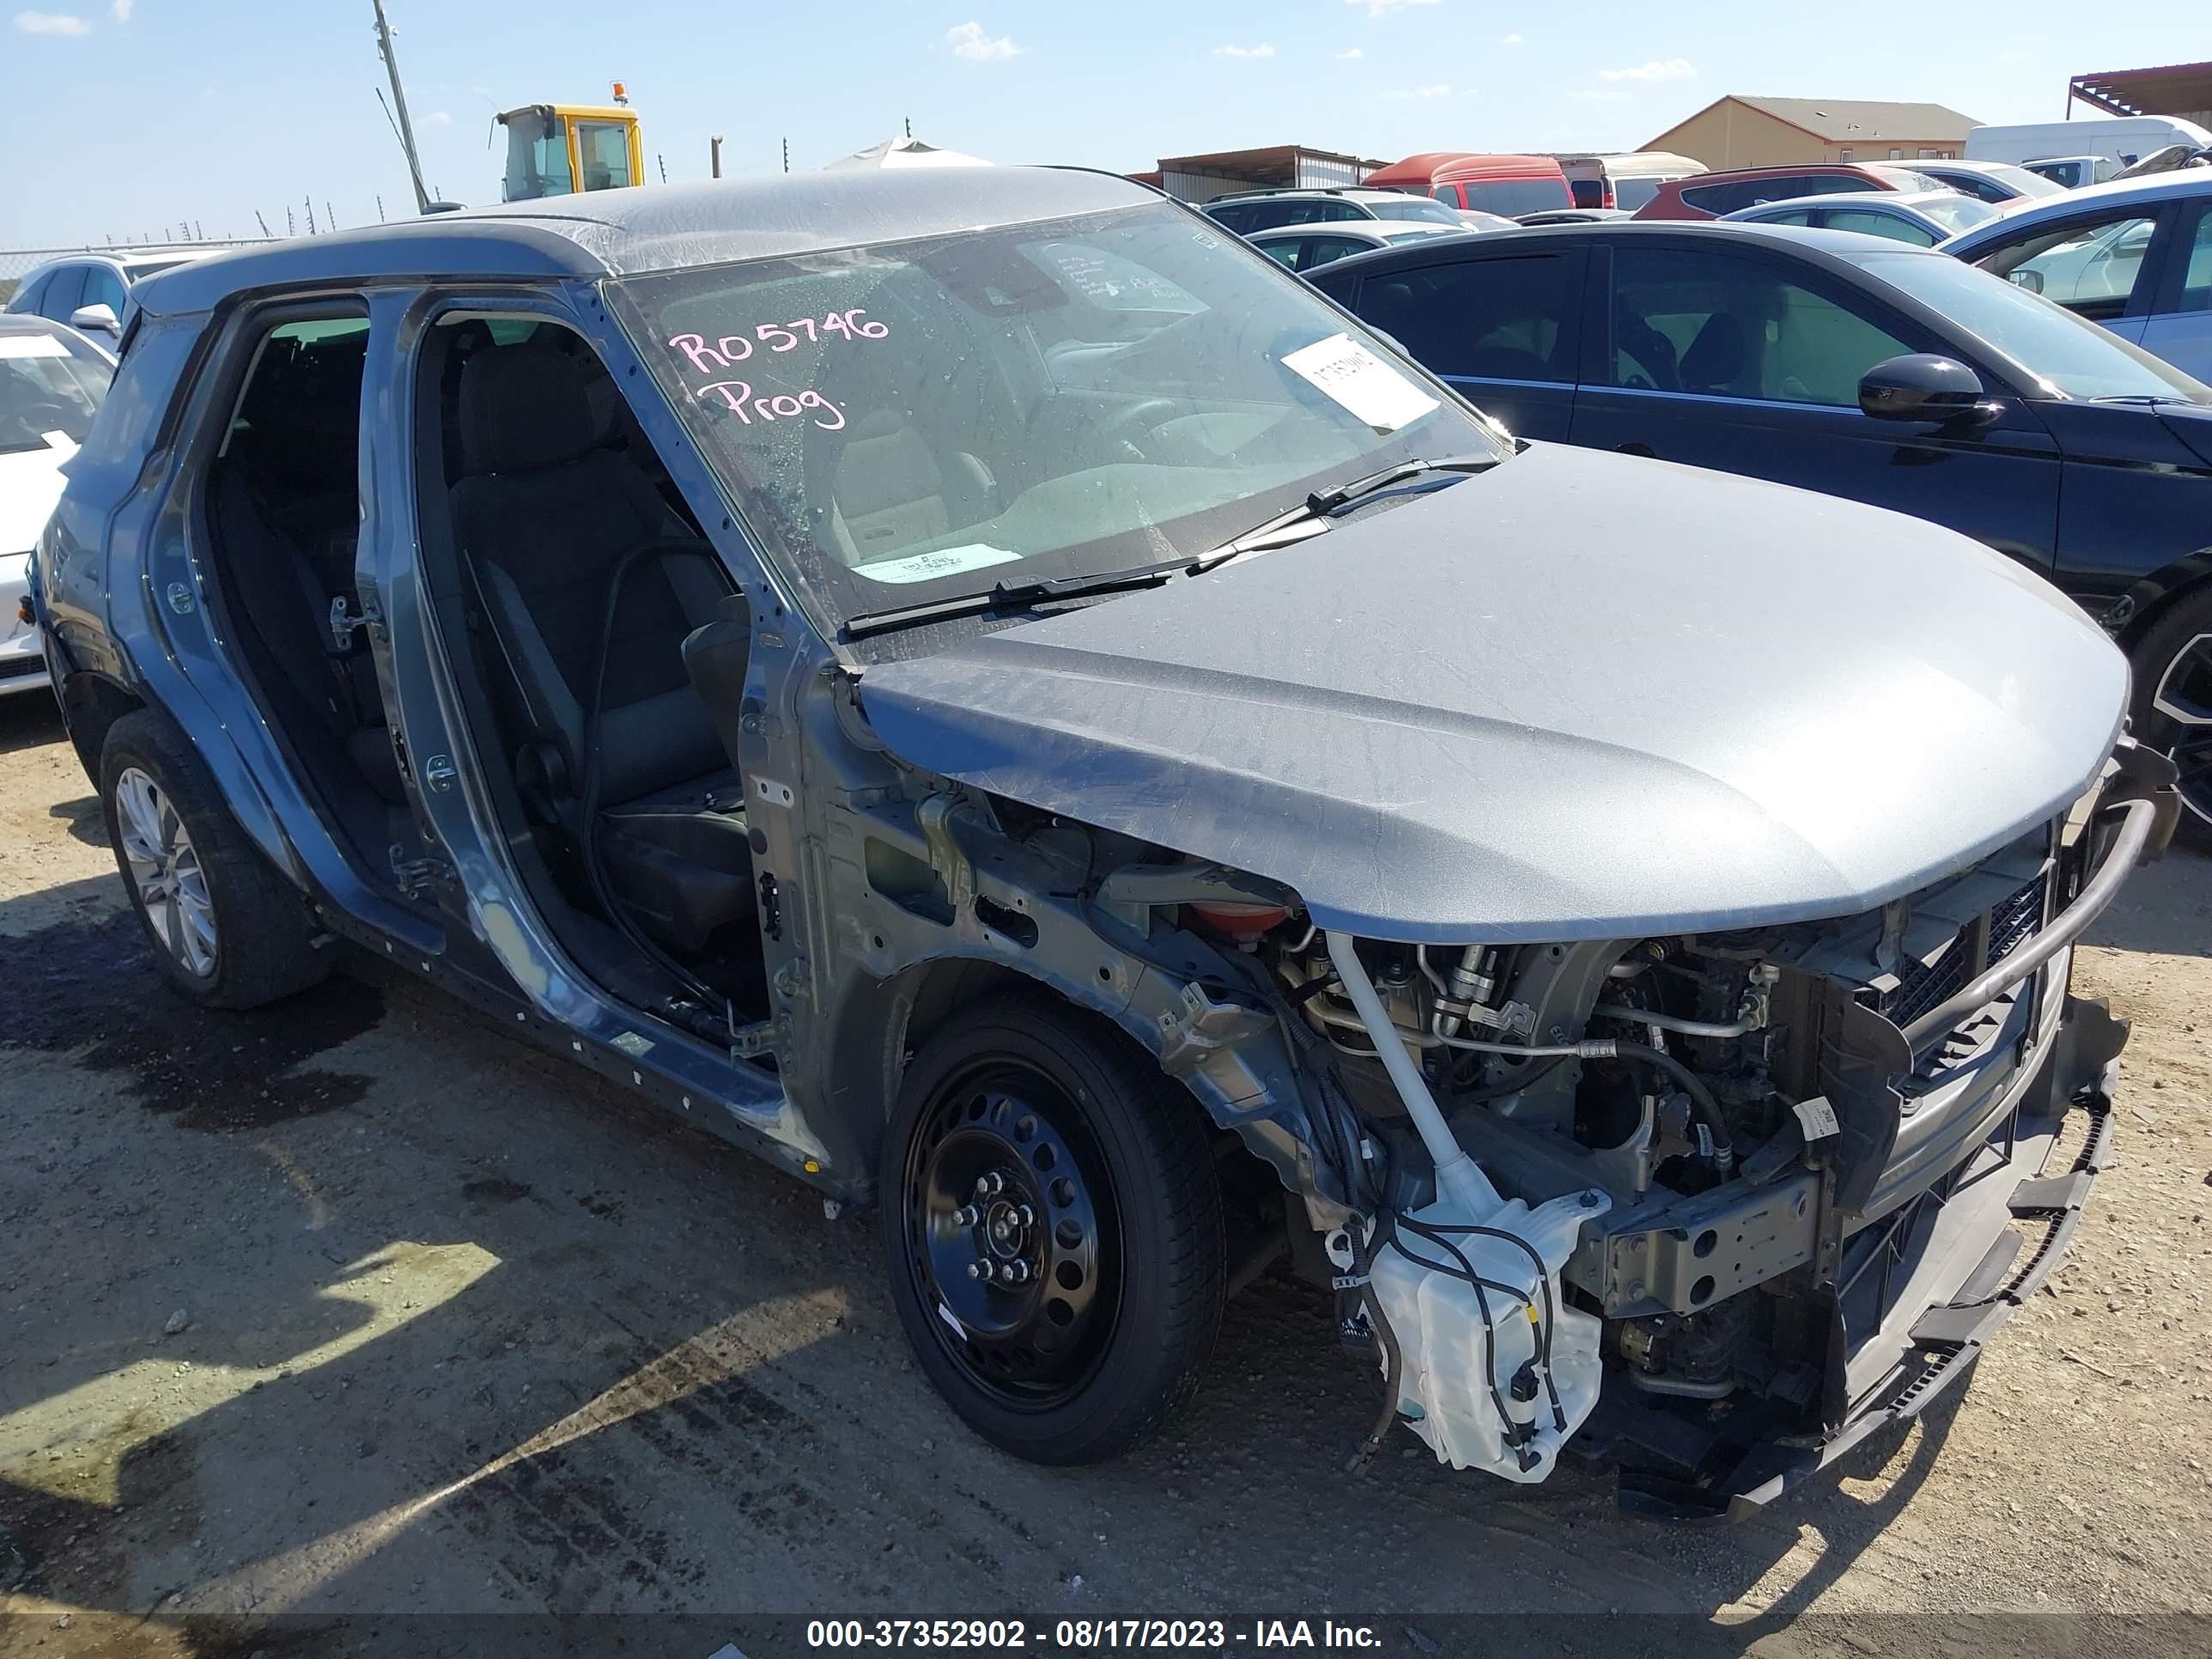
1860 367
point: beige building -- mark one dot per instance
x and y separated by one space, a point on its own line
1735 131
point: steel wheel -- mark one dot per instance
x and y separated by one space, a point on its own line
1013 1235
2182 703
165 868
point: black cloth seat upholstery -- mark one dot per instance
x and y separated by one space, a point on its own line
544 518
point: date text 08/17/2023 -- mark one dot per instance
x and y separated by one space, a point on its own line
1083 1635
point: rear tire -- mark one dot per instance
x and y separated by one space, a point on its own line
227 931
2173 709
1035 1144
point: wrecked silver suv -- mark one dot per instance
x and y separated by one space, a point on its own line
981 688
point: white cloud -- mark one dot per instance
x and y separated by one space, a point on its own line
1509 40
1262 49
122 8
1384 8
51 22
437 118
968 40
1659 69
1439 90
1349 56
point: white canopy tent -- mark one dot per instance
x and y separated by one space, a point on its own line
905 153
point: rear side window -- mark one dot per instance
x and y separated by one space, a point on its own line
1737 193
1868 223
31 298
1720 325
1500 319
1265 216
1239 219
2197 273
1589 192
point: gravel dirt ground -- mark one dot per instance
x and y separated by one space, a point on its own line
355 1307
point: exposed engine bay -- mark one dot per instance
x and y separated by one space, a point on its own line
1690 1164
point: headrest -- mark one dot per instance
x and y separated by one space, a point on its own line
523 407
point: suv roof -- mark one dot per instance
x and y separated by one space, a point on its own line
1350 192
656 228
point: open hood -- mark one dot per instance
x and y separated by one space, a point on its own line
1584 695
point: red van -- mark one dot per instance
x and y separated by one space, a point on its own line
1505 184
1710 195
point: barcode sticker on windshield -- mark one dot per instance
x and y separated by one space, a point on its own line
941 561
1817 1118
1356 377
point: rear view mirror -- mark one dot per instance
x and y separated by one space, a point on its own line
96 319
2030 280
1919 386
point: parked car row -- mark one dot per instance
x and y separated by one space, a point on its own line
1859 368
1039 723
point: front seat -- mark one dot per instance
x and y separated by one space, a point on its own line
545 517
1716 357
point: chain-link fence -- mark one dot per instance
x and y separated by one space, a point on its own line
17 263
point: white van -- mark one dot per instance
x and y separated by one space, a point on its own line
2124 139
1618 179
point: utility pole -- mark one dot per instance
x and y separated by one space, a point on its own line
663 159
399 103
909 126
329 218
264 223
715 156
380 207
787 155
308 203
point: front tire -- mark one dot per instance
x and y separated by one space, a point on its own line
1053 1229
227 931
2172 668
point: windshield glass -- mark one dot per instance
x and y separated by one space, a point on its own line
1414 206
1956 213
2070 354
44 389
906 421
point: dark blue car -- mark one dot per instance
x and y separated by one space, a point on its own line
1860 367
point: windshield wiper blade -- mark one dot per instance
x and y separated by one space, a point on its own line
1002 595
1312 514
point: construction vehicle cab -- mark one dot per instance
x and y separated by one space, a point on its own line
558 149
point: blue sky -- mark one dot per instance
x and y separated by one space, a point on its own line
141 112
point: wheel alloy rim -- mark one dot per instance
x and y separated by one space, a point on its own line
2184 702
166 869
1012 1235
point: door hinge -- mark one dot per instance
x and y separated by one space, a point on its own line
418 878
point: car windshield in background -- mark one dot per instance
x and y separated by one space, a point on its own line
1904 178
1415 207
46 391
1046 400
2069 354
1957 212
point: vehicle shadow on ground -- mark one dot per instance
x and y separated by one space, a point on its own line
29 720
2164 909
471 1330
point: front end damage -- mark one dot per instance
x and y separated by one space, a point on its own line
1714 1207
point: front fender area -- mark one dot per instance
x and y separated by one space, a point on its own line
936 908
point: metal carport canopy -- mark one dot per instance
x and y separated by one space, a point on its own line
2182 90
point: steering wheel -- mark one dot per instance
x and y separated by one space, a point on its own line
1141 417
